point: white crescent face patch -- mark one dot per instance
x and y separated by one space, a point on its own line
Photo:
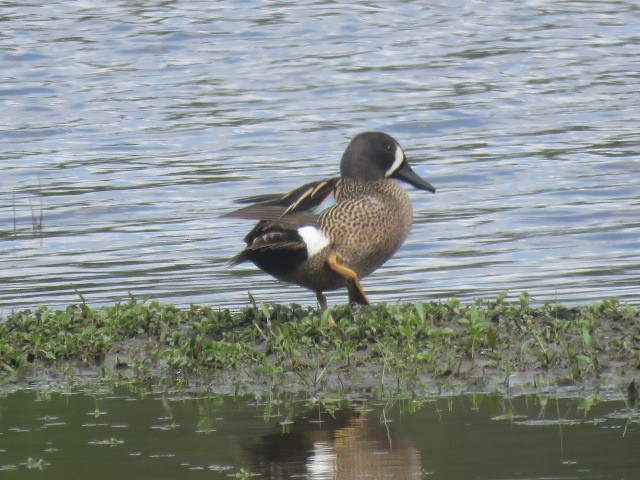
396 163
314 239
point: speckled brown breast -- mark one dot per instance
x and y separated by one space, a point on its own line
369 222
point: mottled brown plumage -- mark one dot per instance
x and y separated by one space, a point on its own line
368 224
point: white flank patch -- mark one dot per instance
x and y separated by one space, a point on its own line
396 163
314 239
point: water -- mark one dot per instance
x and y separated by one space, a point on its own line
75 434
127 128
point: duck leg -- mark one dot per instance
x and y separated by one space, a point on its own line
357 293
322 301
354 287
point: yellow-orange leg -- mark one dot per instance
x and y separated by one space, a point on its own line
354 287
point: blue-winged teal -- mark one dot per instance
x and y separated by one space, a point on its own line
329 234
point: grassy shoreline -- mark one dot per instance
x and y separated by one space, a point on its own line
495 345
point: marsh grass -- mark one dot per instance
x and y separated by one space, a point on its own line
36 211
481 345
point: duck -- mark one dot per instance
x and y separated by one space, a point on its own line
330 234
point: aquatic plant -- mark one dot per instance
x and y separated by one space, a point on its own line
412 346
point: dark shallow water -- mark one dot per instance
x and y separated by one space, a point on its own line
127 128
107 435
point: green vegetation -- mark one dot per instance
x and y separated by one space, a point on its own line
424 345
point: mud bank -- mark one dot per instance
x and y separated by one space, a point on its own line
422 348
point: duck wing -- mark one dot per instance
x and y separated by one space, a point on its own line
311 198
275 243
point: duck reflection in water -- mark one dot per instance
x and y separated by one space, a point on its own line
343 446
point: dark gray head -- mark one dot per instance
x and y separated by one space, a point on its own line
373 156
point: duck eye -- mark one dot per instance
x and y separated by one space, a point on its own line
389 147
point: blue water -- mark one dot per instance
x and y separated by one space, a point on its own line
127 128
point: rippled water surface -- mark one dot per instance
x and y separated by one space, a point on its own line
127 128
107 435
